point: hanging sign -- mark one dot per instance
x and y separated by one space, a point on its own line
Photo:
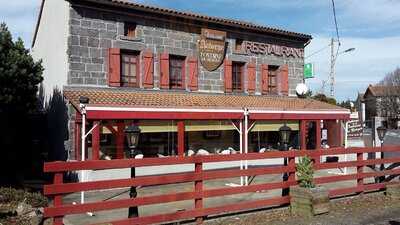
308 70
211 48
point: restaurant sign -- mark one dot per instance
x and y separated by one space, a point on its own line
211 48
250 47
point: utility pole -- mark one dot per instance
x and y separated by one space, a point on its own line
332 72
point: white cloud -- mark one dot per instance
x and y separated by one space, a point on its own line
372 59
20 17
370 11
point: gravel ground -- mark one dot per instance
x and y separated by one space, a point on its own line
368 209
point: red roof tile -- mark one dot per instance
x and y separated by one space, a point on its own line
163 99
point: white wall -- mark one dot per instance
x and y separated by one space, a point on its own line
51 44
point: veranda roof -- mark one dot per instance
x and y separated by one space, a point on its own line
157 101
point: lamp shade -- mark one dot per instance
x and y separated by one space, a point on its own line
132 133
284 132
381 132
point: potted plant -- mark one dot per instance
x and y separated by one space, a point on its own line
307 199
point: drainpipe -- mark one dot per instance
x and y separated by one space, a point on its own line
246 147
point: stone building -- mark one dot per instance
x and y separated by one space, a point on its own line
189 81
383 102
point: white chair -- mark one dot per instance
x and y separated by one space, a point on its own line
190 152
202 152
262 150
139 156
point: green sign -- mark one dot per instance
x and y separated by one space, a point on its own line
308 70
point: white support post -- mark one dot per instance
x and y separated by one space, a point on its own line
246 147
241 150
83 147
345 144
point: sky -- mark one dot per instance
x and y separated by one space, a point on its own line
372 27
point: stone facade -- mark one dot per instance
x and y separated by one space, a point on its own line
93 32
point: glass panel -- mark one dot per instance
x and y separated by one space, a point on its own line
175 72
128 70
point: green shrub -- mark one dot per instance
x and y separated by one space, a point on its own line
305 172
14 196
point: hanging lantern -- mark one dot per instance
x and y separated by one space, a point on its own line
284 132
132 133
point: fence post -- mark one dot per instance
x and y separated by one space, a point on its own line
292 163
58 179
198 186
360 180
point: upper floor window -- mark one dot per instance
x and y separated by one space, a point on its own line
130 30
273 79
237 76
130 69
238 45
176 72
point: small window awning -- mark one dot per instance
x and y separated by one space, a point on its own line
127 103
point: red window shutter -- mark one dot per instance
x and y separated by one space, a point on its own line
284 79
264 79
228 75
251 77
164 70
114 67
148 69
193 74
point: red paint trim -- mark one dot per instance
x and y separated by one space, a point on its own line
58 179
198 188
120 140
292 116
303 134
163 115
96 140
77 144
181 138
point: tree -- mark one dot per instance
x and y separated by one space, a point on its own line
19 75
345 104
323 98
388 102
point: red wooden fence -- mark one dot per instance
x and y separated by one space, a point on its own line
56 190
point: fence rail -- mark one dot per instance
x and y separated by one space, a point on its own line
58 189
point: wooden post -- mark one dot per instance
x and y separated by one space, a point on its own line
318 139
360 180
77 135
292 163
198 187
96 140
303 134
58 179
181 138
120 140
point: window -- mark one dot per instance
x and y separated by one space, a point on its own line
272 79
176 72
130 69
237 76
130 30
238 45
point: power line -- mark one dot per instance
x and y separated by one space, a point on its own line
318 51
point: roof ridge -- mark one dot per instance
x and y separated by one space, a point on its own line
216 19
